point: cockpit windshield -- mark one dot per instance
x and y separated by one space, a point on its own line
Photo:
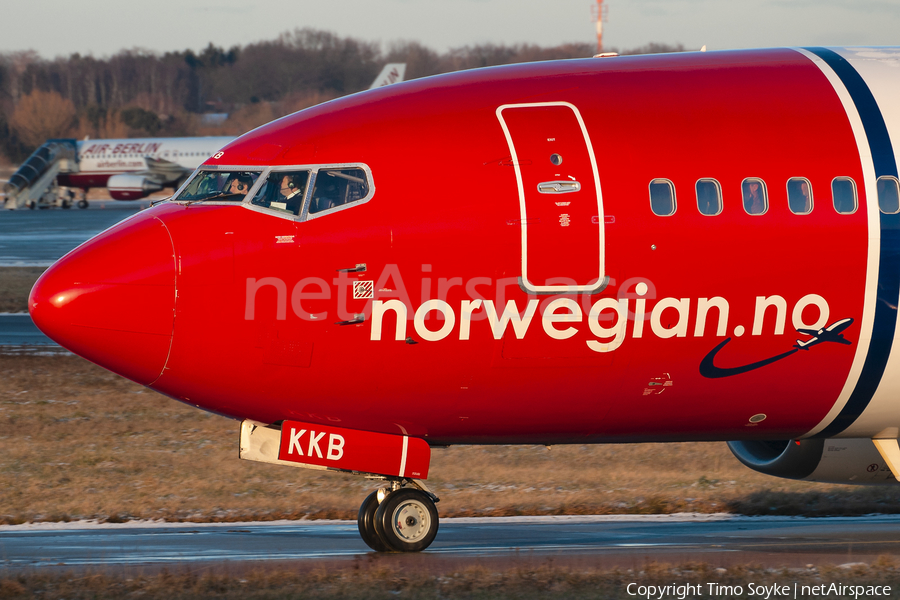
229 186
300 192
283 190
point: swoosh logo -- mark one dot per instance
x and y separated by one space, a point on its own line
832 333
709 370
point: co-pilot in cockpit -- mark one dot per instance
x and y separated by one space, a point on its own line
283 190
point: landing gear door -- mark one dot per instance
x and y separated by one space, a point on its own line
559 197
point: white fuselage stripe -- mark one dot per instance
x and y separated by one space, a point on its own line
403 456
873 254
880 417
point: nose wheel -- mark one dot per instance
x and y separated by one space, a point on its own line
406 520
366 523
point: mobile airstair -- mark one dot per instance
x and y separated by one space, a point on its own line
34 185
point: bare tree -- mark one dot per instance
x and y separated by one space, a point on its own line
42 115
420 60
654 48
137 92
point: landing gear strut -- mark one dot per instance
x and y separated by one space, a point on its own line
399 519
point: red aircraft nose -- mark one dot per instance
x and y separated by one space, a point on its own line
112 299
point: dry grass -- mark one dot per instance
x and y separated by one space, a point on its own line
390 579
15 284
77 442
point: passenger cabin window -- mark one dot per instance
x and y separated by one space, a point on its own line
843 192
800 199
229 186
283 190
709 197
334 188
662 197
888 195
753 191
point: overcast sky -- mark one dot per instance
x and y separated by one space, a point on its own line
103 27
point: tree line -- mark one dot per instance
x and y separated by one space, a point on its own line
138 93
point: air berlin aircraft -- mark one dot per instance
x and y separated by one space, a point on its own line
695 246
130 169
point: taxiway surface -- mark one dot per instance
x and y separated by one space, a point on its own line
37 238
720 540
17 329
40 237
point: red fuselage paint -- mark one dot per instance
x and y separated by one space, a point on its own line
246 331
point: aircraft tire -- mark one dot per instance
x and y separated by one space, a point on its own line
407 520
366 524
82 204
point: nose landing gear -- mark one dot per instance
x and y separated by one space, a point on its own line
398 519
366 523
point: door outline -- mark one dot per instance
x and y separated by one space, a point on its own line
602 279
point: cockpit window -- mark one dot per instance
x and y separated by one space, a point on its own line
230 186
283 190
336 187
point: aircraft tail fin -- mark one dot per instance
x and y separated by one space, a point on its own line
391 73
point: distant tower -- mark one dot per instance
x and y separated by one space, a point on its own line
601 16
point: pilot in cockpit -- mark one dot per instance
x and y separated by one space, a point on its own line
238 183
290 193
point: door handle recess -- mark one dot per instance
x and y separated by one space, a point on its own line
359 268
558 187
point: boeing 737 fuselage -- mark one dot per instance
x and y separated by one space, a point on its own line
627 249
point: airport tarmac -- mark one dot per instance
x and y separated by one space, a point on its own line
37 238
40 237
613 540
17 329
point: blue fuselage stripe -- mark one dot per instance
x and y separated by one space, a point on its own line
889 258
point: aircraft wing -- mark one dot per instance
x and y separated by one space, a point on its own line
164 170
818 338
